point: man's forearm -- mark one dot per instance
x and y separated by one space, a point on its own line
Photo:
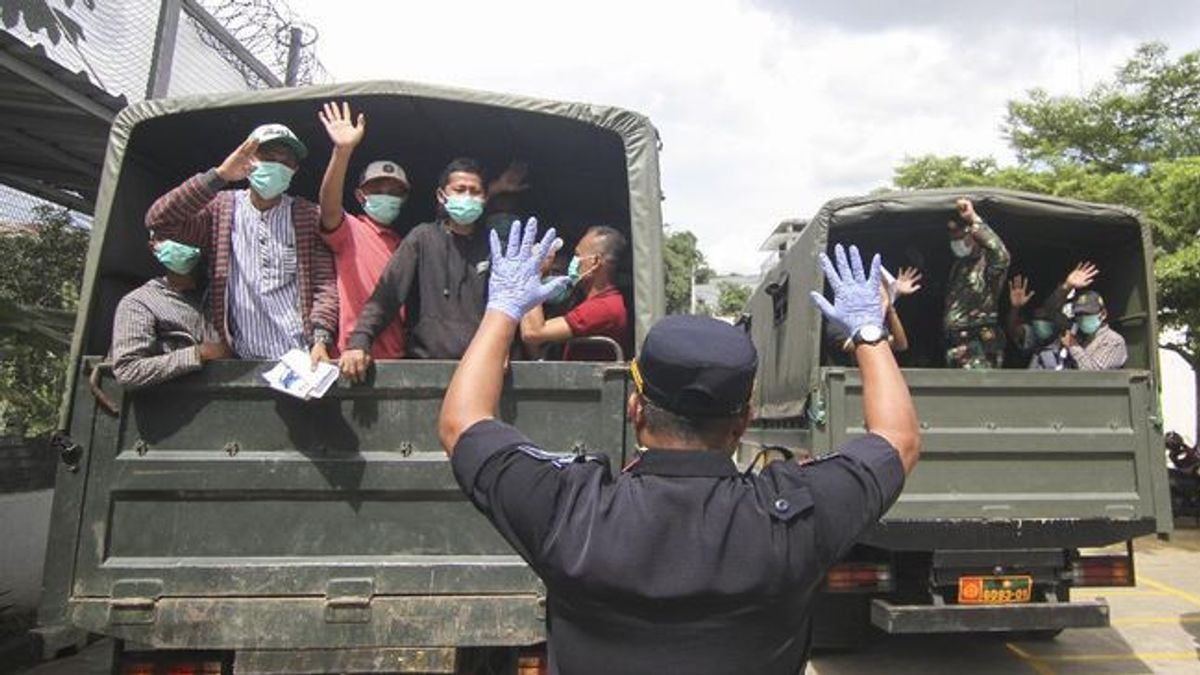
332 186
887 404
474 391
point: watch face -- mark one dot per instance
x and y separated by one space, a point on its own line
870 333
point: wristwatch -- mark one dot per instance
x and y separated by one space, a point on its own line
868 335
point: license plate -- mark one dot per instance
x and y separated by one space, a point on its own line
1001 590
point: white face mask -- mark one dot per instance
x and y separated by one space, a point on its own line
960 247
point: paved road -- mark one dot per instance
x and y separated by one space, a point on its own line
1155 629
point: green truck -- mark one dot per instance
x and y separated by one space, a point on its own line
1021 472
211 522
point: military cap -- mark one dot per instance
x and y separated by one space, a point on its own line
695 366
1088 302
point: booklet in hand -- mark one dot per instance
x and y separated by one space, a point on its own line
294 375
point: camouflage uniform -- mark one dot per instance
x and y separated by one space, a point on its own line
972 322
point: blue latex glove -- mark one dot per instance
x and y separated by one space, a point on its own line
856 297
516 284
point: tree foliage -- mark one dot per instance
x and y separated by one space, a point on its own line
731 298
39 292
682 259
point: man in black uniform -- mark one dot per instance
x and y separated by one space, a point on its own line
680 564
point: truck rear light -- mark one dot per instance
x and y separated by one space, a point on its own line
533 661
1102 570
854 577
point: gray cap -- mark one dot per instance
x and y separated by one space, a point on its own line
383 169
278 133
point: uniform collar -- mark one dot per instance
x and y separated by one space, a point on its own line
684 463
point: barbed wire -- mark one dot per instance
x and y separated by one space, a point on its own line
263 27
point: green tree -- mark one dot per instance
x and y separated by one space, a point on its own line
682 259
731 298
39 292
1135 141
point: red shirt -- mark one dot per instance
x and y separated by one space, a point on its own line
361 249
604 315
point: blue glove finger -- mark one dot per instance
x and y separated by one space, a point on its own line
856 267
514 240
545 244
494 244
531 228
876 270
830 274
843 266
826 308
552 287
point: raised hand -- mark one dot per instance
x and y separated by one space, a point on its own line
516 284
1082 276
1019 294
512 180
966 210
240 163
342 130
856 295
908 282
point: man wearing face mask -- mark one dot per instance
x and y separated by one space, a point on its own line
971 320
160 331
601 312
438 275
272 282
1039 338
361 245
1093 345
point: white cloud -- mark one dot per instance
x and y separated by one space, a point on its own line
763 115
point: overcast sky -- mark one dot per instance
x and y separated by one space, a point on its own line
766 108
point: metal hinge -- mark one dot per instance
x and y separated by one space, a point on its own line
134 601
70 452
349 600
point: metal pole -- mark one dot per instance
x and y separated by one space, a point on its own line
293 61
159 81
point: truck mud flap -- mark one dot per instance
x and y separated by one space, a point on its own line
988 618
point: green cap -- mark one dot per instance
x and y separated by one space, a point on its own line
278 133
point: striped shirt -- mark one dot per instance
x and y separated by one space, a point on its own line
1104 351
155 333
264 290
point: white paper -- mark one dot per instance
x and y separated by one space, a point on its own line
293 375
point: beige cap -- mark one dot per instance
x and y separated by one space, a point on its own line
383 169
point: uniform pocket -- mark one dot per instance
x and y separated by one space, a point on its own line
789 504
279 267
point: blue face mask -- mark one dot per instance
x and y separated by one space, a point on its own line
1089 323
1043 329
177 257
382 208
271 179
573 270
464 209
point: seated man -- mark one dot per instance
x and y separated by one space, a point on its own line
271 279
1092 345
892 289
601 312
160 330
361 245
1039 338
438 275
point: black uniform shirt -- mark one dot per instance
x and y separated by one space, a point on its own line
680 564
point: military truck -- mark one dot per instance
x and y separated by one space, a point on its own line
1022 472
211 524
